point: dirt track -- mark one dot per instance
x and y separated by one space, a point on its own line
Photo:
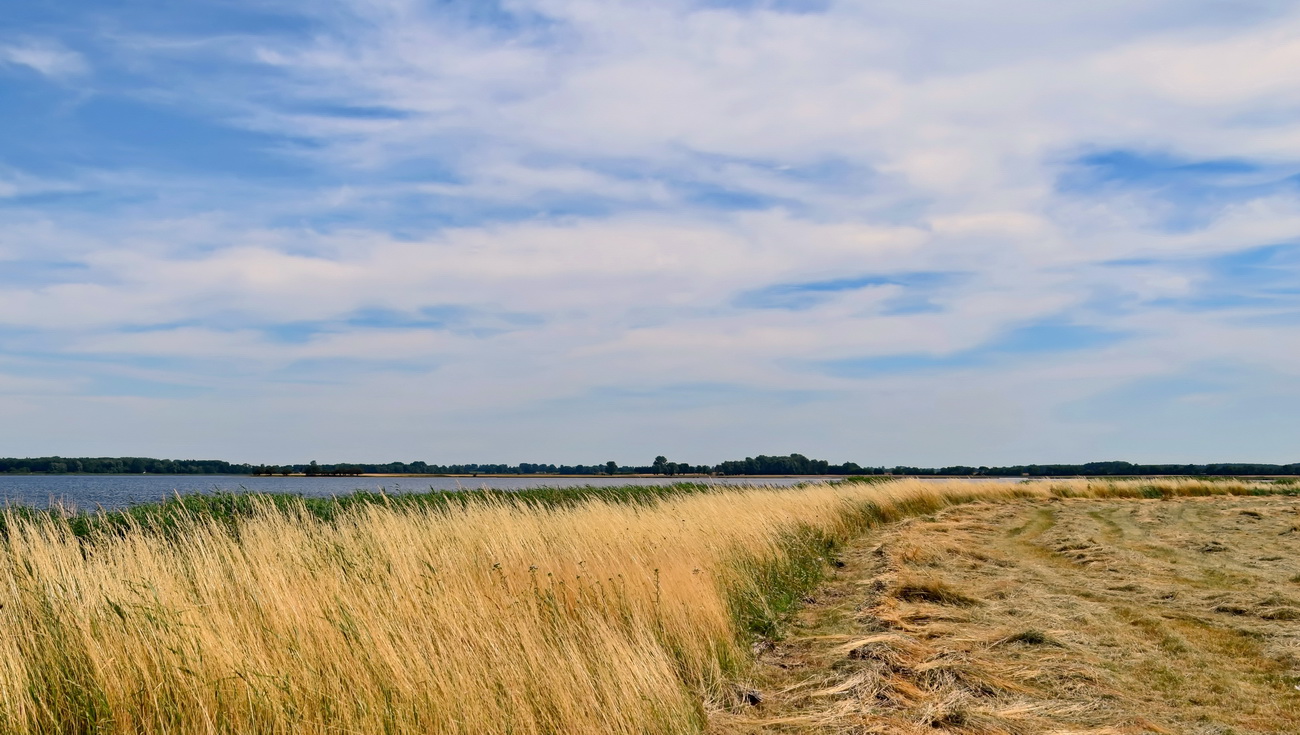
1071 616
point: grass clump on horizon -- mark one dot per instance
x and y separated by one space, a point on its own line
597 610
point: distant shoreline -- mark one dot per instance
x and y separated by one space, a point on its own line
635 476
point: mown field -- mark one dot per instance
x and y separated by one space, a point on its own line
1096 616
587 611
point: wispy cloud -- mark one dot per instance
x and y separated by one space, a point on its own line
43 56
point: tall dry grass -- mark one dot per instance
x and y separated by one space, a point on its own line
486 617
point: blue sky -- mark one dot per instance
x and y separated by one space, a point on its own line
579 230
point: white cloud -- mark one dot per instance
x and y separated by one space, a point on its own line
594 194
44 56
14 184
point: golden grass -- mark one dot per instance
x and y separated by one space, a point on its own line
495 617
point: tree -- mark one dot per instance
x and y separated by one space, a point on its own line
313 469
660 465
611 467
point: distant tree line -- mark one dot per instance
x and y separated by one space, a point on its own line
791 464
1103 469
661 466
121 466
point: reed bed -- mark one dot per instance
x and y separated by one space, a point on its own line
484 615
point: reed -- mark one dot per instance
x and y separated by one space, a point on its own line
487 614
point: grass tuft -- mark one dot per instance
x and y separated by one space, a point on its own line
933 590
1032 637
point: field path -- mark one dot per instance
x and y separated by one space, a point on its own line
1066 617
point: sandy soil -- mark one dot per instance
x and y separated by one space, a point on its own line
1071 616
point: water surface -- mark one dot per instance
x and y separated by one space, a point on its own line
88 492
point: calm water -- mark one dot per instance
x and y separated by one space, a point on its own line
115 491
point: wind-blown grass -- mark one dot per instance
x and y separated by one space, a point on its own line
592 611
177 512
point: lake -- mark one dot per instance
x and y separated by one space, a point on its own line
88 492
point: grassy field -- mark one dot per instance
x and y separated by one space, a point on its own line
1106 617
579 611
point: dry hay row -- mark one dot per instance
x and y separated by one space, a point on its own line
1079 617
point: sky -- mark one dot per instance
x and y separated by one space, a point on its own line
921 232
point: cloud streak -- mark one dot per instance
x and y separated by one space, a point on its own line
43 56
